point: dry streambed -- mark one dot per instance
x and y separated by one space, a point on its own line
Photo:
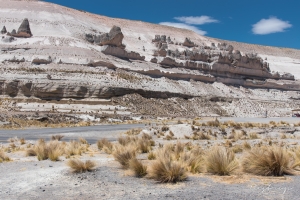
197 160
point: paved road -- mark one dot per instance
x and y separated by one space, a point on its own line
90 133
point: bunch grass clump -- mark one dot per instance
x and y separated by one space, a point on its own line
57 137
137 167
3 157
221 161
105 145
167 171
52 150
269 161
124 154
79 166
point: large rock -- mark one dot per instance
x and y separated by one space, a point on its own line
188 43
121 53
41 61
3 31
24 29
113 38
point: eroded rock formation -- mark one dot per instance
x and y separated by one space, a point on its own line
121 53
3 31
23 31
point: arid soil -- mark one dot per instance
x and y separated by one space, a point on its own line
27 178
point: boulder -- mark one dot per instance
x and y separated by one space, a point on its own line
153 60
12 88
89 38
3 31
39 61
188 43
24 29
113 38
96 63
226 47
13 32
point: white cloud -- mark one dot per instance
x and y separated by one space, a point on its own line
185 26
199 20
271 25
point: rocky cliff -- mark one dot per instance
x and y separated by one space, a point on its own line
60 53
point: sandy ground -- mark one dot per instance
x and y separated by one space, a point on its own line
53 180
28 178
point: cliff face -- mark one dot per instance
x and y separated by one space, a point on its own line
59 53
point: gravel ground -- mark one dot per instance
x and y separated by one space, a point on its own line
53 180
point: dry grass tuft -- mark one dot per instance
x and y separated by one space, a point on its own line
151 156
106 145
43 150
214 123
79 166
30 152
73 148
270 161
57 137
144 145
124 154
193 161
221 161
137 167
200 136
134 131
164 128
246 145
22 141
3 157
167 171
253 136
82 141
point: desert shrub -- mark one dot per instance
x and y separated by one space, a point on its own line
79 166
124 154
57 137
271 161
137 167
220 161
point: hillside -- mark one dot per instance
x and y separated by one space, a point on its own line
82 63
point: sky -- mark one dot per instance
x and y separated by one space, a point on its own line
264 22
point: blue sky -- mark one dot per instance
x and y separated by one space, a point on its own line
265 22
